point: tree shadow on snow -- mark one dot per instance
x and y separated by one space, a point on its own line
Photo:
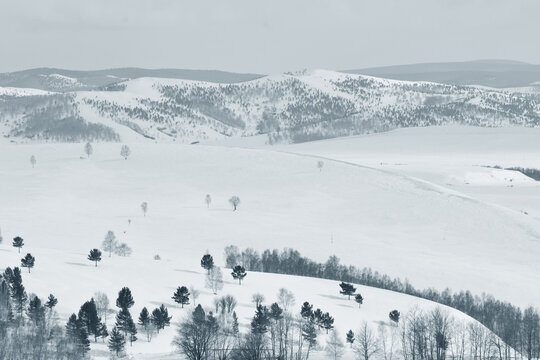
78 264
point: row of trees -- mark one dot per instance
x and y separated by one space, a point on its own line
518 329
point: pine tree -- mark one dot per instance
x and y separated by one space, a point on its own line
36 312
309 333
235 328
18 242
51 302
318 317
28 261
117 342
132 331
144 318
18 293
123 320
207 262
261 320
327 322
347 289
359 299
77 334
89 317
88 149
306 311
181 296
103 332
125 299
94 255
394 316
161 318
239 273
350 337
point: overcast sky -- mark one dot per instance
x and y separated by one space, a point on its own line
263 36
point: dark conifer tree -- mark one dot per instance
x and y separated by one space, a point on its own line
144 318
95 256
276 313
77 334
309 333
327 322
132 331
306 311
117 342
261 320
123 321
18 242
161 318
181 296
394 316
347 289
235 328
89 317
359 299
318 317
350 337
36 312
18 293
28 261
125 299
207 262
51 302
239 273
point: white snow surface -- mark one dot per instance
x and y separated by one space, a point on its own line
396 224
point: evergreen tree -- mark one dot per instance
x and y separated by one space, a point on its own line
235 329
123 321
18 293
132 331
77 334
239 273
347 289
144 318
359 299
161 318
36 312
181 296
18 242
89 317
88 149
306 311
261 320
94 255
327 322
276 313
309 333
318 317
350 337
394 316
125 299
103 332
207 262
28 261
117 342
51 302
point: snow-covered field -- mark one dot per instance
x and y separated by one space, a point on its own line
407 214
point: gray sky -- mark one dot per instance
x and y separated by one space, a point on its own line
263 36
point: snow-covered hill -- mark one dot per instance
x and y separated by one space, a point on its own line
294 107
404 227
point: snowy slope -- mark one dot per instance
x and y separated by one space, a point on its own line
292 107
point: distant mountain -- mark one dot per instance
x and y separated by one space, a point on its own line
492 73
294 107
61 80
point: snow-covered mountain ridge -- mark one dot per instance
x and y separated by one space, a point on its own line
292 107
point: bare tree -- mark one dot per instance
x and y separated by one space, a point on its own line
194 294
102 305
366 345
208 200
109 243
257 299
334 346
33 161
320 164
144 207
285 299
214 279
235 201
388 337
125 151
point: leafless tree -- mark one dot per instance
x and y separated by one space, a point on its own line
208 200
109 243
388 340
214 279
334 346
366 345
257 299
125 151
320 164
235 201
88 150
102 305
33 161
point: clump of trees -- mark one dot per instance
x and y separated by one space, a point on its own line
111 245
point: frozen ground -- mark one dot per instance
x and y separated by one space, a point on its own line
419 228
